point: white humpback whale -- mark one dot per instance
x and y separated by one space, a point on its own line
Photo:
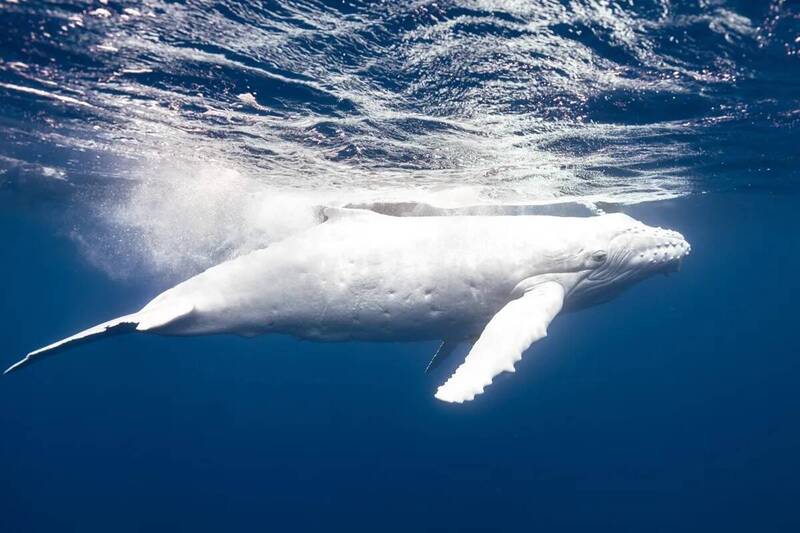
361 275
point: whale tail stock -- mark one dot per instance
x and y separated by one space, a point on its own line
149 318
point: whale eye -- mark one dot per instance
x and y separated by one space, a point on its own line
599 256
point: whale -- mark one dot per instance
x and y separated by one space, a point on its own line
493 282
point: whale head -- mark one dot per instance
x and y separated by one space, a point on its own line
625 252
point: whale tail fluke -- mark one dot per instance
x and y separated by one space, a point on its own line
144 320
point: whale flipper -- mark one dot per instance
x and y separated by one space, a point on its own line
507 335
147 319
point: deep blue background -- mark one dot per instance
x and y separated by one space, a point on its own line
672 408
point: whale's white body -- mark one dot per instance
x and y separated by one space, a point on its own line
371 277
364 276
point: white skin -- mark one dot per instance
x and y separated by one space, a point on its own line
364 276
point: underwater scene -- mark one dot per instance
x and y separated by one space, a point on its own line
481 265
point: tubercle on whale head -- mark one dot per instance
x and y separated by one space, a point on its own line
649 249
632 251
663 249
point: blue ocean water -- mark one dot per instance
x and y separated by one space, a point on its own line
143 142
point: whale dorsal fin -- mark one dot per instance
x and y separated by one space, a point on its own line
507 335
332 214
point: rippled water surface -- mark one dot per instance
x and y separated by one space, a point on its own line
186 129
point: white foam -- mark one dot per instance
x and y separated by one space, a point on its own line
45 94
184 218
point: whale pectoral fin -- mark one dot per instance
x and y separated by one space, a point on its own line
444 351
507 335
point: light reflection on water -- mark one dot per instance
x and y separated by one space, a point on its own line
180 135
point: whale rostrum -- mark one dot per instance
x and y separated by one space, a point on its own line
365 276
